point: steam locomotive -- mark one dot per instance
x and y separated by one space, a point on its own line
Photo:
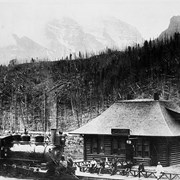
30 155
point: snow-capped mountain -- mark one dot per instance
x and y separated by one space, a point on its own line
174 26
60 37
72 37
112 32
67 36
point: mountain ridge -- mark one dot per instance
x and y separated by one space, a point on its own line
60 37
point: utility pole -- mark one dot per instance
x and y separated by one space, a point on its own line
26 109
57 112
45 112
16 125
1 111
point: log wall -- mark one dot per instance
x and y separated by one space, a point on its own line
107 149
162 151
174 151
168 151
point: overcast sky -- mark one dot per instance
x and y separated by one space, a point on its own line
150 17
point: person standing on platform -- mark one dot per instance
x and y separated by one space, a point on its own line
140 169
93 165
159 170
114 165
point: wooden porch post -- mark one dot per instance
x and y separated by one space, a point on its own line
84 150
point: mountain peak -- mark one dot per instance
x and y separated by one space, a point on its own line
175 23
175 19
174 26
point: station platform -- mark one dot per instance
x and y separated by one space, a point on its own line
171 173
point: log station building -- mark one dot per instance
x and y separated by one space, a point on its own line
145 131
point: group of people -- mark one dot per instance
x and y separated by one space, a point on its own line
112 166
67 165
126 167
64 165
96 167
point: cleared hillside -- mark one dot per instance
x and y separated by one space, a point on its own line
69 93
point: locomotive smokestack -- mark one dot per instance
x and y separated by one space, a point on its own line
53 136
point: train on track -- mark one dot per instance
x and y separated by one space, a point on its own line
33 155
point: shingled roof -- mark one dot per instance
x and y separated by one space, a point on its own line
142 117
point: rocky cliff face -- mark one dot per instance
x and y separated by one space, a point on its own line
66 36
174 26
71 37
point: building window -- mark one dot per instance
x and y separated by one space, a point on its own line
142 148
118 145
94 148
97 145
101 144
146 152
115 146
122 146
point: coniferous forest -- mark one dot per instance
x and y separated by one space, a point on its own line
68 93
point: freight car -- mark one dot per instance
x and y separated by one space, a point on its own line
33 155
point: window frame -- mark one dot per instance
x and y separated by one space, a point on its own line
94 145
142 148
121 142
